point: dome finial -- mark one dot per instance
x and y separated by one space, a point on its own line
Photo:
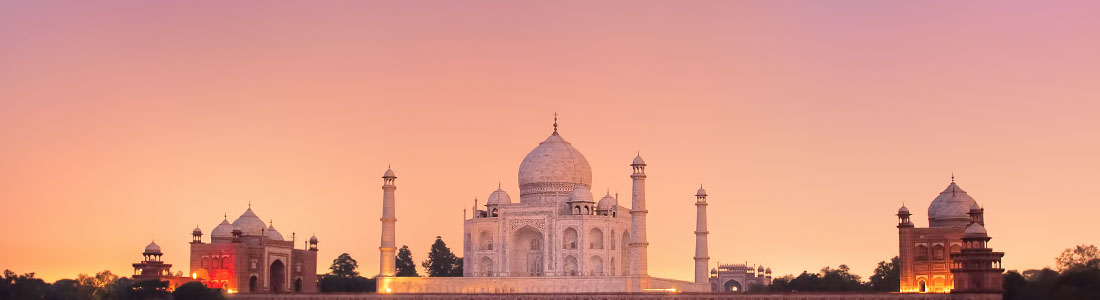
555 123
952 176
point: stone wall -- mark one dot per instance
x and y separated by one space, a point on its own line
624 296
545 284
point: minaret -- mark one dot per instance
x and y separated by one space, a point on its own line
637 220
702 259
387 265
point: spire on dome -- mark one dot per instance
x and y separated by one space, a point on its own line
555 123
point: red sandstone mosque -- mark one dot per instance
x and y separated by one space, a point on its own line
247 256
952 254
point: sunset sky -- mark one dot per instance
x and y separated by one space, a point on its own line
808 122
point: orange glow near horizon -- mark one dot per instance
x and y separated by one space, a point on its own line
808 122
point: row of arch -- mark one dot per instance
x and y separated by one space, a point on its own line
570 239
216 262
528 249
938 252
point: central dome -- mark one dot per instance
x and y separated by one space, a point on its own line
951 208
551 171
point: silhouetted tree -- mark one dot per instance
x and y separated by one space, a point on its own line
196 291
1081 256
886 277
64 289
148 290
345 277
405 265
22 287
441 261
345 266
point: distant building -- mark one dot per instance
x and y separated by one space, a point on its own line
933 259
248 257
734 278
153 268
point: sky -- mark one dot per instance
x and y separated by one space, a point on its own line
809 122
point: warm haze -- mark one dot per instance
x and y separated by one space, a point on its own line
810 124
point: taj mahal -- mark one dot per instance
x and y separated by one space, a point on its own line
557 238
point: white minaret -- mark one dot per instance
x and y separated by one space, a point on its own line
639 244
702 259
387 265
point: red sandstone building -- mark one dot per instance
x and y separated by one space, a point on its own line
248 257
153 268
951 254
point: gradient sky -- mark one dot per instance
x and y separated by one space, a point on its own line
809 122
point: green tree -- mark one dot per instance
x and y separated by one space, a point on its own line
196 291
1081 256
405 265
102 286
345 266
441 261
886 277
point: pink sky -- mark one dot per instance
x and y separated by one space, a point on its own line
809 122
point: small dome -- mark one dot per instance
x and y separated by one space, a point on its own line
222 230
713 271
638 160
951 208
313 239
499 197
768 270
975 207
581 194
249 223
273 234
608 202
153 248
760 269
903 210
197 231
701 191
975 230
388 174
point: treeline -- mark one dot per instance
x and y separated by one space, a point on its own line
840 279
345 277
1077 277
102 286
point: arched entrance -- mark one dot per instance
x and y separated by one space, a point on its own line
252 284
277 275
923 287
526 252
298 285
732 286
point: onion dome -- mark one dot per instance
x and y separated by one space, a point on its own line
388 174
313 239
222 230
273 234
713 271
581 194
950 208
499 197
249 223
638 160
197 231
701 191
975 230
608 202
551 171
768 270
903 210
760 269
152 248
